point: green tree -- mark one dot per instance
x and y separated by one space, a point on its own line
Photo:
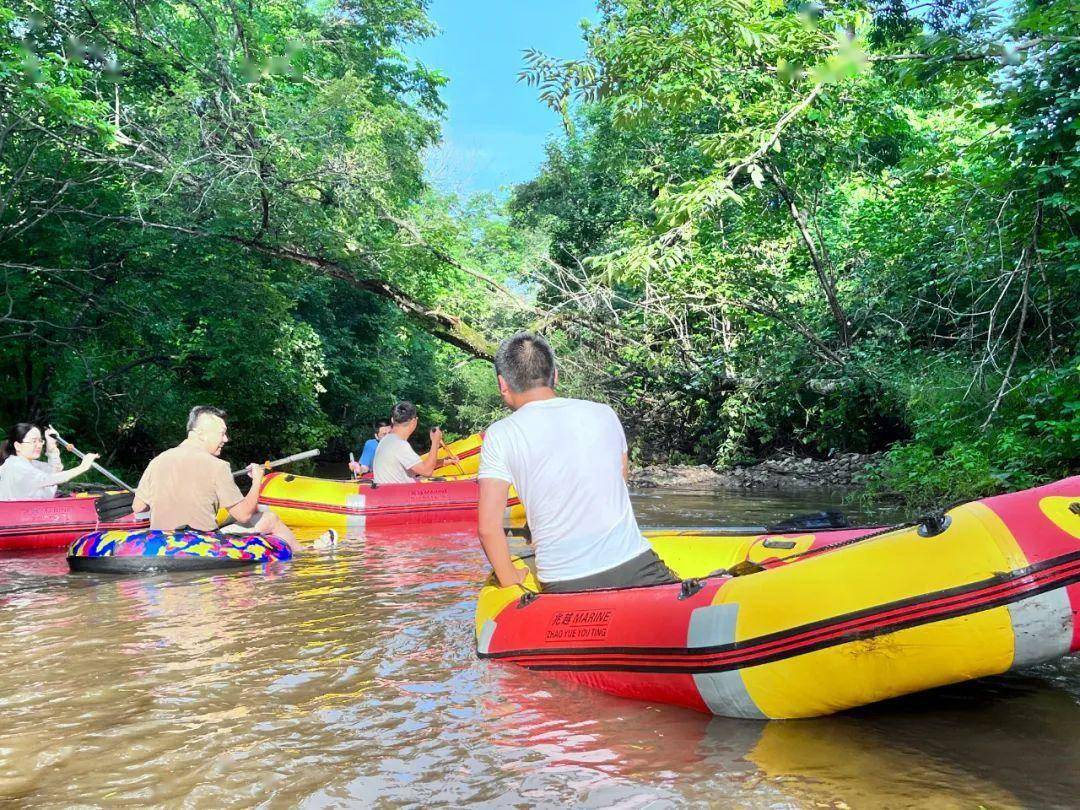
216 201
829 210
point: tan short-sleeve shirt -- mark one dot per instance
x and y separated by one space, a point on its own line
185 486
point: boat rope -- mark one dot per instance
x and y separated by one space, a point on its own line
930 524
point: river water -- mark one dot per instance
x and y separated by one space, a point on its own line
349 678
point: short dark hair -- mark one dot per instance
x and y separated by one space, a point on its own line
199 410
382 423
402 412
525 361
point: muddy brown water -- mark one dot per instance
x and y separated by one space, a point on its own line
349 679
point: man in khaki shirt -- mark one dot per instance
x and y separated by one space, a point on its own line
187 484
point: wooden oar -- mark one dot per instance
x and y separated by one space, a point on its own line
72 449
452 454
269 465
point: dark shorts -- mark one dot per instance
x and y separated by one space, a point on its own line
644 569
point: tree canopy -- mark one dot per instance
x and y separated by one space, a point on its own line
767 225
223 201
829 227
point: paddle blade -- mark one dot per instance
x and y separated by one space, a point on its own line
113 507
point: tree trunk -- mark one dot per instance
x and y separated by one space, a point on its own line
817 257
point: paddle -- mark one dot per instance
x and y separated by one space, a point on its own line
451 455
811 522
269 465
109 507
72 449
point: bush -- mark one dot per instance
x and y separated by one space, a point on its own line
1033 438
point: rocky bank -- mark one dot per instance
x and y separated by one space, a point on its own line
779 472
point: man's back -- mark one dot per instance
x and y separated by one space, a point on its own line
392 461
564 456
185 486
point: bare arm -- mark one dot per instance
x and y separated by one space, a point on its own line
625 467
52 451
493 494
451 456
144 492
250 504
427 466
62 476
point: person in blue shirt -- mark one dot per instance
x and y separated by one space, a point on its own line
382 427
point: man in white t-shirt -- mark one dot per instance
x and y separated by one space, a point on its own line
395 461
567 459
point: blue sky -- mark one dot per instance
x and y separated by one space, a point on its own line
495 127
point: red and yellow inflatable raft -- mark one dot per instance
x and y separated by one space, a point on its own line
353 505
800 625
55 523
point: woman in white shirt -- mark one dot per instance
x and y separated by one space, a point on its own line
22 476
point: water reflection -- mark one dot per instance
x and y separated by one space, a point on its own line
657 508
349 678
1004 742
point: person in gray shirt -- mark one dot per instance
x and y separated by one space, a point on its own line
395 461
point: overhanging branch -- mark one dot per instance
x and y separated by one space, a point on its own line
446 327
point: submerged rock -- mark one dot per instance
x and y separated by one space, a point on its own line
676 476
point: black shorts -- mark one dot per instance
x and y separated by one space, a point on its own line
644 569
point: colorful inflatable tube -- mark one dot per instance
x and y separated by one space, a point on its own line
123 552
801 625
467 450
353 505
55 523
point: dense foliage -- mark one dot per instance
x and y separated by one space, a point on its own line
212 201
825 227
820 227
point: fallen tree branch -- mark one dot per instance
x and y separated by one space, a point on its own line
448 328
447 259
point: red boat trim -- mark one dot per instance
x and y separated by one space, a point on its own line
879 620
67 528
787 638
313 506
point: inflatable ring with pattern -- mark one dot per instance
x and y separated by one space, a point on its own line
180 550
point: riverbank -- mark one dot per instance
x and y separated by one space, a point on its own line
779 472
